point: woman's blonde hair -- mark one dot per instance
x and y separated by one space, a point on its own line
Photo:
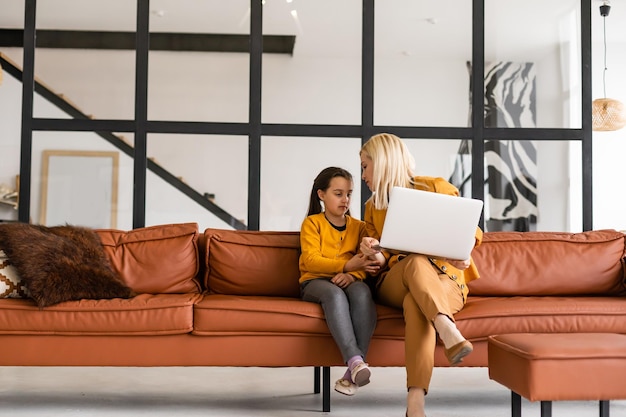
393 166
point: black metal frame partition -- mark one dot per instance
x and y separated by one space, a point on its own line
255 129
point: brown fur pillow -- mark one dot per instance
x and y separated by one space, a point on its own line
61 263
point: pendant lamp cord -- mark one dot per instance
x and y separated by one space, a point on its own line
605 68
605 9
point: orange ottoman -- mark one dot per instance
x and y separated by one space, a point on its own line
550 367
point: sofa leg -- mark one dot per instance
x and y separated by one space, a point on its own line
316 379
604 408
516 404
546 408
326 388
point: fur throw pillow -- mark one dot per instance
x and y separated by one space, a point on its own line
61 263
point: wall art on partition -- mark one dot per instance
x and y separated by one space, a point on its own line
511 166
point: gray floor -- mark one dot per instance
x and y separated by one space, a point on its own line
189 392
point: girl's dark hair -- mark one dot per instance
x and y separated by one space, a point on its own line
322 182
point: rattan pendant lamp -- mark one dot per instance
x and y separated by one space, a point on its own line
607 114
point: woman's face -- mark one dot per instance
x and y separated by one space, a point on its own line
367 170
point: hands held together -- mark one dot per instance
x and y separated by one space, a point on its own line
370 247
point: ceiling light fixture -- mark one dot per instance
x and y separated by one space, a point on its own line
607 114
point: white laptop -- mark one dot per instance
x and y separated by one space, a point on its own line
429 223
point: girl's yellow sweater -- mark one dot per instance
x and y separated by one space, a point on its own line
325 250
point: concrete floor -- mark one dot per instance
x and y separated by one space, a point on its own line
271 392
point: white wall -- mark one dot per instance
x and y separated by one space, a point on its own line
213 87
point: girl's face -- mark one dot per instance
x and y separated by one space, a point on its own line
367 170
336 197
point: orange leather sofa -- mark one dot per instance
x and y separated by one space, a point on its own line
231 298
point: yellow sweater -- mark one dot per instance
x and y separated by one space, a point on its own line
325 250
375 219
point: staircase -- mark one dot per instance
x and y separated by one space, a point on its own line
118 142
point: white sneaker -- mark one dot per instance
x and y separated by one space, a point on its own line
361 374
345 387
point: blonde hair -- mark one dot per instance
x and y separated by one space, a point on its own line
393 166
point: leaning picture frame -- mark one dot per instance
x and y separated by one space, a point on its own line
79 188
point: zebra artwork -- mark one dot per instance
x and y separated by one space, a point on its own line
511 166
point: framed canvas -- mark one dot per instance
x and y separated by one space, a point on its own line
79 188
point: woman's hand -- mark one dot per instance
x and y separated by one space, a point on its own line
370 246
458 264
360 262
342 279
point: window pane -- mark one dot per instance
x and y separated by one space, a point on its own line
286 182
99 83
533 185
185 169
609 200
532 77
421 54
202 85
81 178
320 82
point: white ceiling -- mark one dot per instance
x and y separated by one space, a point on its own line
333 27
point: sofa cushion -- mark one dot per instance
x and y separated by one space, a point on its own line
61 263
159 259
485 316
145 314
252 263
549 263
218 314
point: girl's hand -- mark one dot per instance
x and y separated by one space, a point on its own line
360 262
458 264
342 280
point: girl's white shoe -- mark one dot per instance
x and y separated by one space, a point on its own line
360 374
345 387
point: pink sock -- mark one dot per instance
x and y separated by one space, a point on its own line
348 375
352 362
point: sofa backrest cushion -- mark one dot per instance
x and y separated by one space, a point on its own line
159 259
549 263
252 262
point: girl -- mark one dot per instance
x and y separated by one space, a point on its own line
429 290
332 273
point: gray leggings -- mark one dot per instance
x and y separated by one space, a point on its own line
350 313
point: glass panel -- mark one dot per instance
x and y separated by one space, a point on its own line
320 82
286 182
201 85
99 83
532 77
11 122
443 158
81 178
421 54
608 60
190 168
533 185
609 199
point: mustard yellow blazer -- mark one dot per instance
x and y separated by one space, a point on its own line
375 219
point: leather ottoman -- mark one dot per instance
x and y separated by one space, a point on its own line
550 367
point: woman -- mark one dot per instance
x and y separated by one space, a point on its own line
428 290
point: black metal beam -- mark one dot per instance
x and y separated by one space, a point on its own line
587 123
367 84
159 41
256 48
28 88
141 113
478 105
